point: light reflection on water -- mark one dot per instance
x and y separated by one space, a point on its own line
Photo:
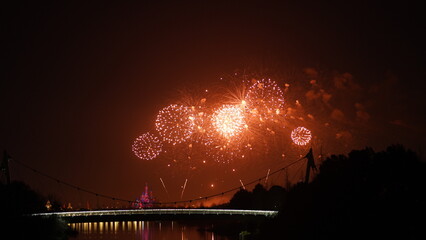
142 230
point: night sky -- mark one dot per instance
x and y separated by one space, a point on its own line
80 81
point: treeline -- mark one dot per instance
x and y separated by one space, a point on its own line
17 201
260 198
363 195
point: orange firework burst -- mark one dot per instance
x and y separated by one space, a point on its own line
301 136
175 123
229 121
200 121
147 146
265 98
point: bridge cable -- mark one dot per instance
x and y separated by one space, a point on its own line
68 184
159 203
233 189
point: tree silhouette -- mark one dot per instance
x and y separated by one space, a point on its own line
17 201
362 195
259 198
241 200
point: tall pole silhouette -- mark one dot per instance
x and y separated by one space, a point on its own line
310 164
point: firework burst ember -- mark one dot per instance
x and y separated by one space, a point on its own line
229 121
174 123
301 136
265 99
147 146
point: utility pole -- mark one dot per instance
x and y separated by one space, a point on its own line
5 166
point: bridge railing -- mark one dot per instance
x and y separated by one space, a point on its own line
124 212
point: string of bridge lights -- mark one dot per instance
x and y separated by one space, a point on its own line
223 129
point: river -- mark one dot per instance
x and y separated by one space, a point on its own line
144 230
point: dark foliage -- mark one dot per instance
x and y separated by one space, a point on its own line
260 198
17 201
363 195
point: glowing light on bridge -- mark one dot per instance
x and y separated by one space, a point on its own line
159 212
147 146
301 136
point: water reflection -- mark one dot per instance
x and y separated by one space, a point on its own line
143 230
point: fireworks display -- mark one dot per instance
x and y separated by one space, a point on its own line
228 121
242 122
175 123
200 121
265 99
147 146
225 151
223 127
185 97
301 136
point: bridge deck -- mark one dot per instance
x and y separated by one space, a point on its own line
157 214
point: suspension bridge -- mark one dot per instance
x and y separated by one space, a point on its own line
158 210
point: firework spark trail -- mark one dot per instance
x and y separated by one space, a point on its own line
267 175
164 186
183 189
242 184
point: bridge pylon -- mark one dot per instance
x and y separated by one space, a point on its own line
309 165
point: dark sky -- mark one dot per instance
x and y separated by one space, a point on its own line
81 80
